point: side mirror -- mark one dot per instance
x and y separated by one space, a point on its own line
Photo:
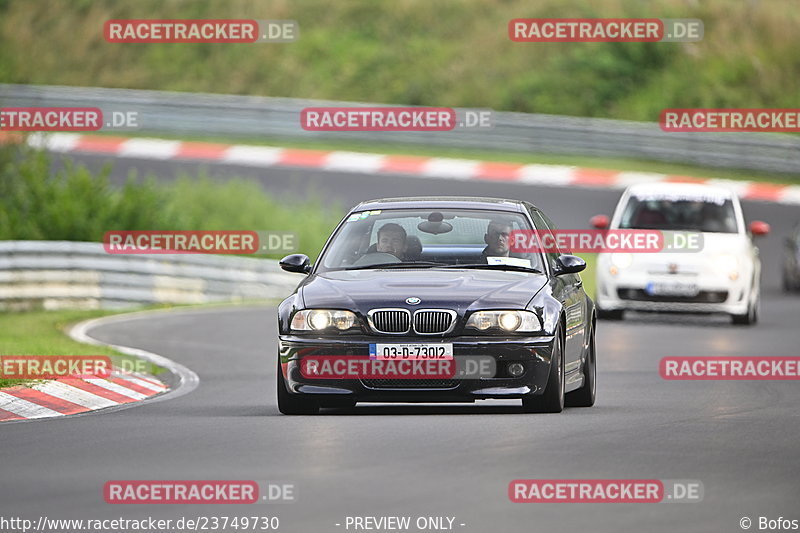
296 263
758 228
599 221
569 264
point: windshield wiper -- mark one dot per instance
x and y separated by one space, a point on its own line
401 264
517 268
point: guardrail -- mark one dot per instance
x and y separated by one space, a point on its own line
250 116
63 274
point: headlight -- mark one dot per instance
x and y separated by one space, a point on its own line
518 321
621 260
321 319
727 264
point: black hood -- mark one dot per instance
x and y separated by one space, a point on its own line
362 290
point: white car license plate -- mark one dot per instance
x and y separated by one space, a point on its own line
671 289
411 351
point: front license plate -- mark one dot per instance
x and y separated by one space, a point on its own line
412 351
671 289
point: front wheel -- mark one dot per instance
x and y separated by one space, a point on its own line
789 282
749 318
290 404
552 399
585 396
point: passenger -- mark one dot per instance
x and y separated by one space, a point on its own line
497 239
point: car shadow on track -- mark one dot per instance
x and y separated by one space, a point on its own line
432 409
388 409
709 321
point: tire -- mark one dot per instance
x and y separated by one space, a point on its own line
749 318
790 283
290 404
585 396
610 314
552 399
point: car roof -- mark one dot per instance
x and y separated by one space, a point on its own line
671 189
443 202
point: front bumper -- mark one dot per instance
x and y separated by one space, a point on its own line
716 294
533 352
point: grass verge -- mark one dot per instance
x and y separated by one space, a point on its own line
44 333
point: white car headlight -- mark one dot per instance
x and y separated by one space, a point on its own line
622 260
511 321
321 319
727 265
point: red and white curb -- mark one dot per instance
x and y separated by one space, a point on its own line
71 396
415 166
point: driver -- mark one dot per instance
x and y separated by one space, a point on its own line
497 240
392 240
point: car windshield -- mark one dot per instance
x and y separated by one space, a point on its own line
428 238
712 214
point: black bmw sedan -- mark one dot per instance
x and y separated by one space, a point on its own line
428 300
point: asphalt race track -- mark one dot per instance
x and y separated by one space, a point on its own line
740 439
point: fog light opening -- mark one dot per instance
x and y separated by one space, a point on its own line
515 370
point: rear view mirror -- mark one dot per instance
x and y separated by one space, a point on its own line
296 263
758 228
435 224
599 221
569 264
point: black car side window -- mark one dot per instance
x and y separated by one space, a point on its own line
544 225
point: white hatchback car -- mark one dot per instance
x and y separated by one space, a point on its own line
722 277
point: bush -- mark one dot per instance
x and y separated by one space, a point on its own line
420 52
74 204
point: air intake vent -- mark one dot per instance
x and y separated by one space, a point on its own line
390 320
433 321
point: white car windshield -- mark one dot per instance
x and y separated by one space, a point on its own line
706 214
424 238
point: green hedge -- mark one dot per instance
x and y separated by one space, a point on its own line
422 52
74 204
